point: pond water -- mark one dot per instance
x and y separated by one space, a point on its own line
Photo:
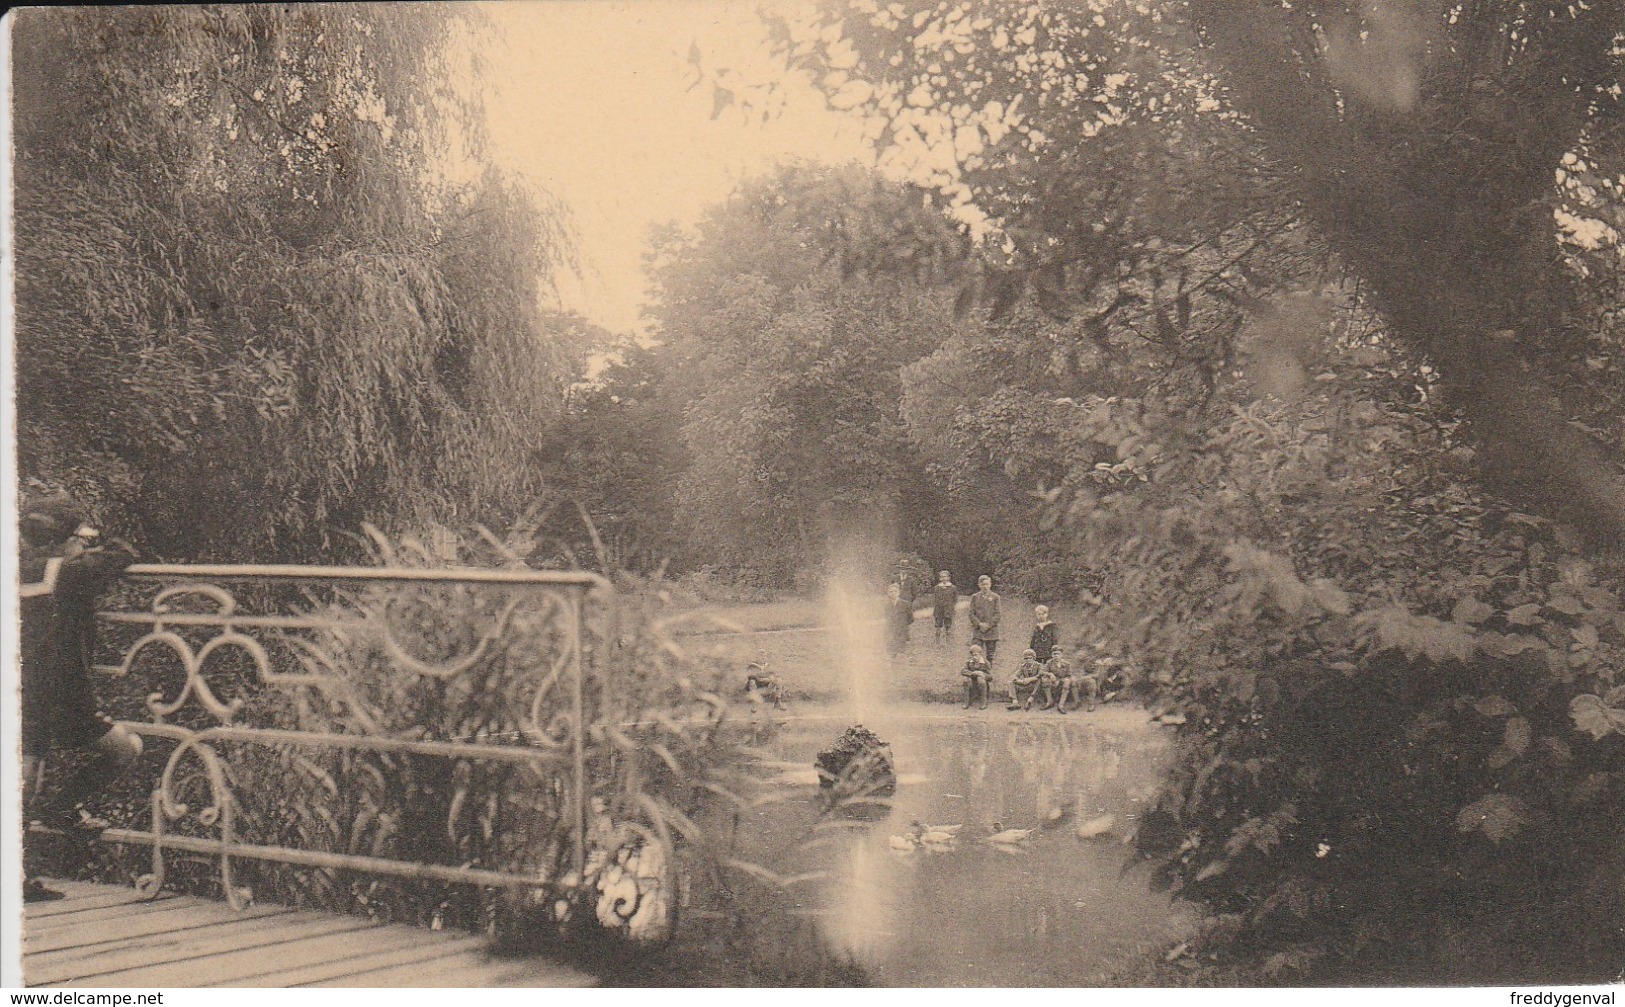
1055 908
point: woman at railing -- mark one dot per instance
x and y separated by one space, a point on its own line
62 573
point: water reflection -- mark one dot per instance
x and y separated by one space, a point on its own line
1052 909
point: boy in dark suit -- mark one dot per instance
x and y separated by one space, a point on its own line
944 599
1045 633
984 616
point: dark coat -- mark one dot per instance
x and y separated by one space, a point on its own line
57 603
1045 636
984 611
899 616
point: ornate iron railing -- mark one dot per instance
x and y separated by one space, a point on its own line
284 639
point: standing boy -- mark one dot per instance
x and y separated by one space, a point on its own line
984 617
1045 633
944 598
899 614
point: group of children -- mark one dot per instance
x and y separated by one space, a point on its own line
1045 673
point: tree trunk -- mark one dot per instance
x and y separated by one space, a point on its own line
1436 198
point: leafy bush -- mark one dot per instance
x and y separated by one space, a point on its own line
1401 695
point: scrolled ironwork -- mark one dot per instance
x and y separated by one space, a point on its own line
287 627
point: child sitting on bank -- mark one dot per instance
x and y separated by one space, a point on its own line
1025 685
760 686
1110 675
1056 681
1079 687
978 675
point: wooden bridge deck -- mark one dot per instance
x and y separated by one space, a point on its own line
100 935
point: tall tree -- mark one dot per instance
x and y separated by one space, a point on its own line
268 285
1121 224
1424 138
615 459
1421 140
789 370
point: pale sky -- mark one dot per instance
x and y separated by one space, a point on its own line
587 100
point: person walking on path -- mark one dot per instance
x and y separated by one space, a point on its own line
899 614
61 576
984 616
944 598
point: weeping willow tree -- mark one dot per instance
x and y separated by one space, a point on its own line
269 283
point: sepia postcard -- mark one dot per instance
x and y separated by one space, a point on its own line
1111 494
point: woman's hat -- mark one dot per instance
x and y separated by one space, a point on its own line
49 517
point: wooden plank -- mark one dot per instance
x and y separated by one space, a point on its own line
342 973
74 891
83 930
116 911
225 955
153 948
111 936
92 931
71 891
307 957
481 970
421 973
97 897
472 967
